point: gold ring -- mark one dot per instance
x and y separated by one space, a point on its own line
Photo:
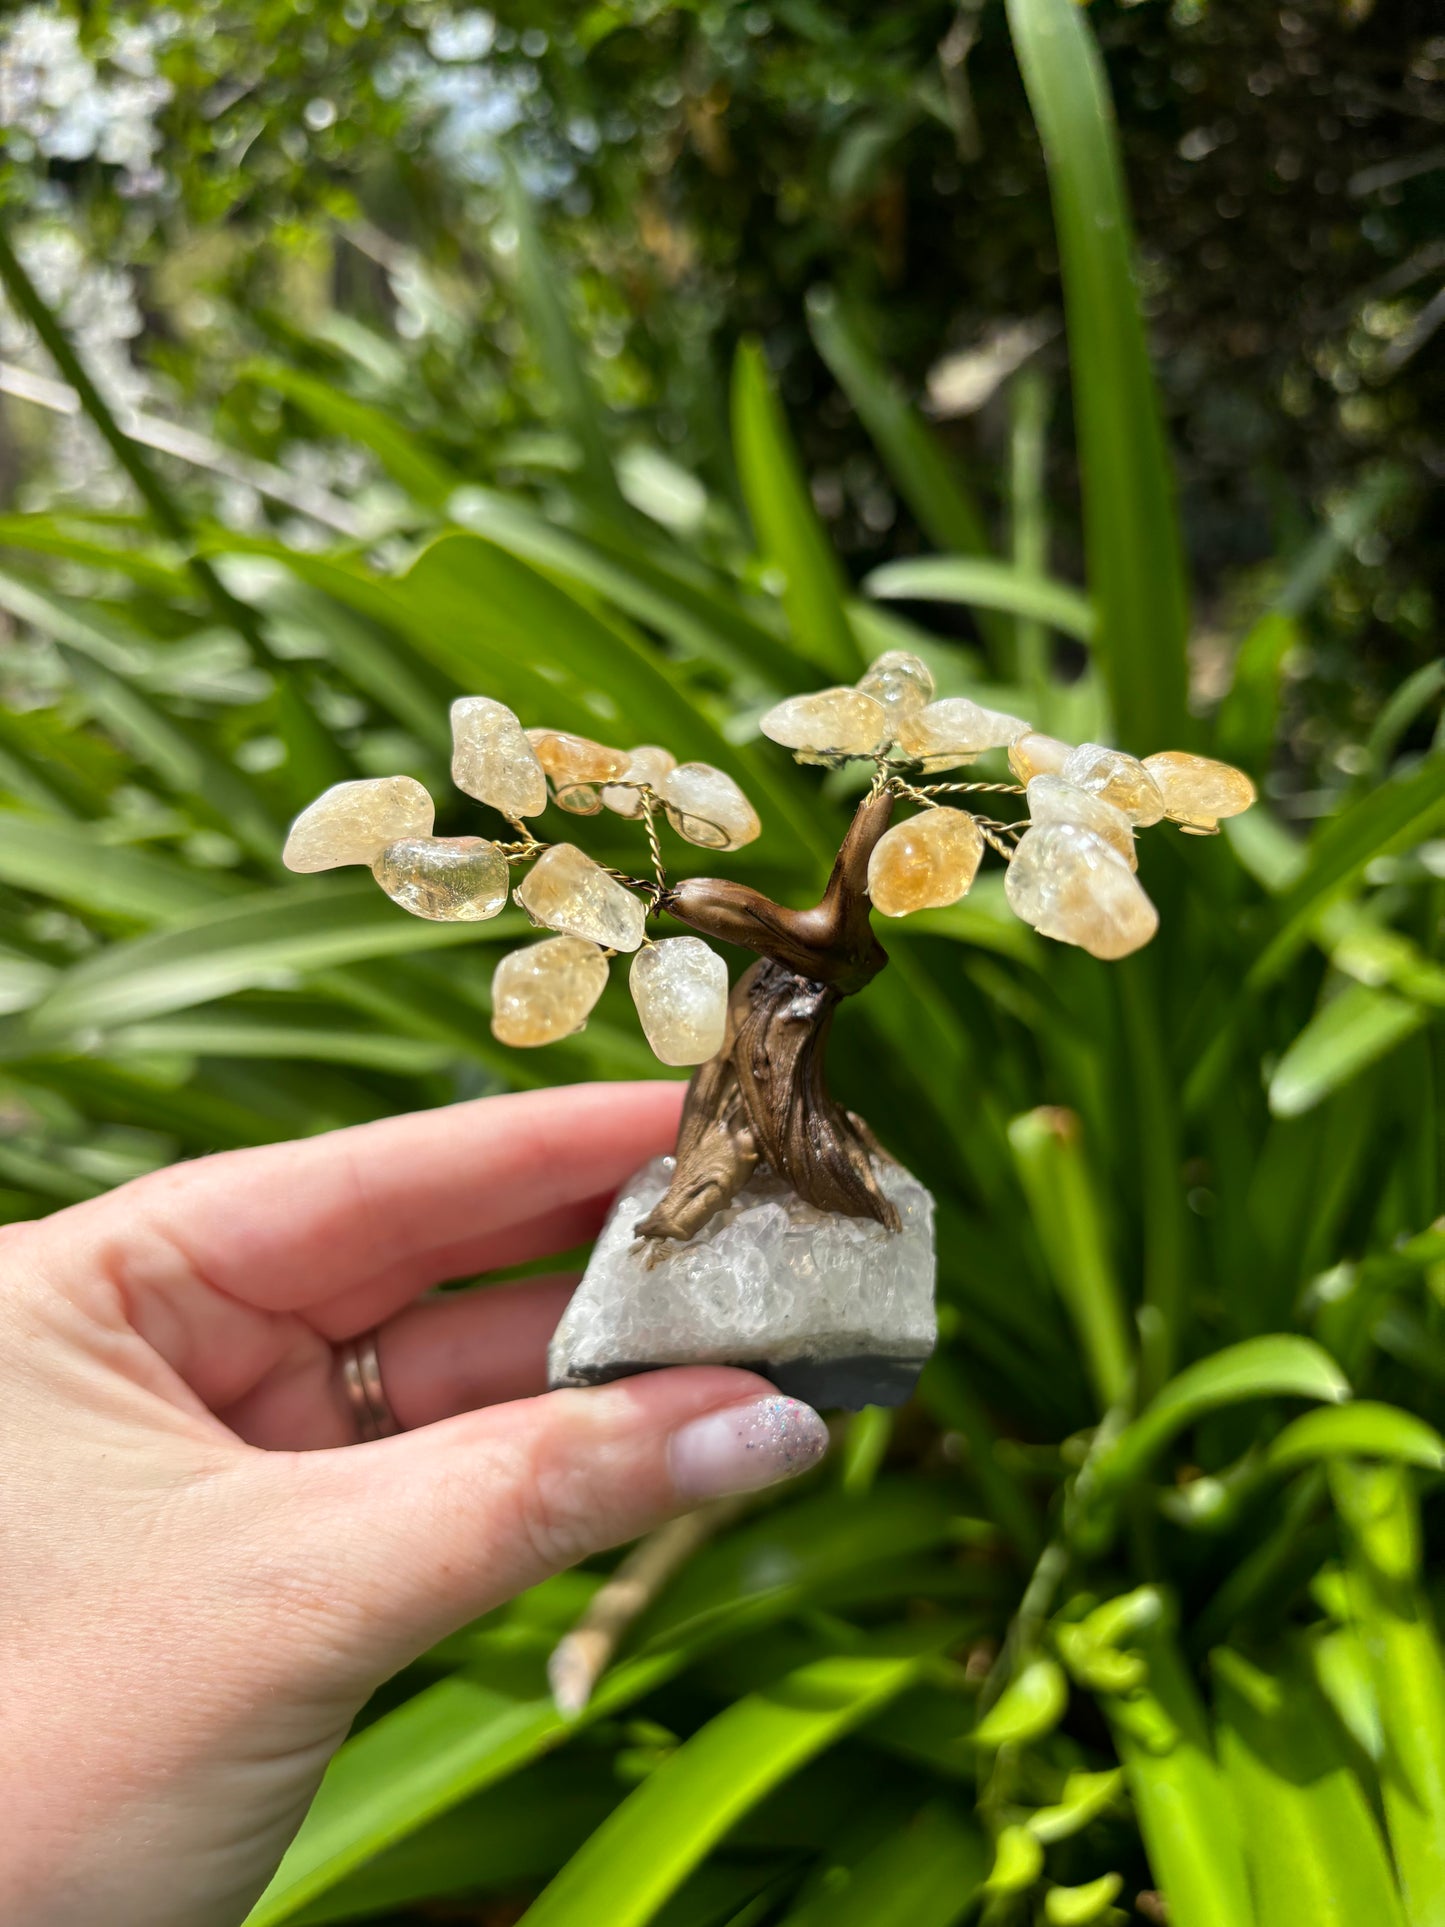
361 1379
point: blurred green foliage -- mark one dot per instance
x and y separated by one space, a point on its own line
1139 1595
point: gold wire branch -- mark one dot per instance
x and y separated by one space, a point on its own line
994 841
654 844
528 847
998 789
1000 837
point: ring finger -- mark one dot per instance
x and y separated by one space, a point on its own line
437 1358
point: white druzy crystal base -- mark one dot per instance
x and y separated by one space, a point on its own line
837 1311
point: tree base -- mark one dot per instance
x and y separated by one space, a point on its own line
836 1310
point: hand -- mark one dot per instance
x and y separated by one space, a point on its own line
204 1574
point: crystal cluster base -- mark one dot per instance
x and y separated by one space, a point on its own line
836 1311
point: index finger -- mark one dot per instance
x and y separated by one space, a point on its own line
373 1214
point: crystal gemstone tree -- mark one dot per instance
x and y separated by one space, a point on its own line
780 1234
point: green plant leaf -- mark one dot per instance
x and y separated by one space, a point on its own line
925 1874
865 1448
248 1033
1052 1168
381 669
1360 1430
702 614
424 476
54 535
912 454
984 583
1245 724
786 523
1079 1906
90 631
443 1744
771 1566
538 283
1183 1806
67 861
1380 1516
514 1836
1031 1705
179 754
1030 403
240 945
643 1851
1280 1365
943 504
1399 813
1135 554
1314 1852
1355 1029
1084 1798
1018 1862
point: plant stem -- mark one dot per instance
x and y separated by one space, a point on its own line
1159 1155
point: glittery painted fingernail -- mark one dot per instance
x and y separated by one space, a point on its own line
743 1447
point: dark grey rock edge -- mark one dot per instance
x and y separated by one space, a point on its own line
828 1384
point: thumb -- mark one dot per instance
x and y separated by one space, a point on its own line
429 1529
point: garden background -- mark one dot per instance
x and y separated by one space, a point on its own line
640 364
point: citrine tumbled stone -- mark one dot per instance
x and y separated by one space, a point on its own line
492 759
1034 754
1198 792
899 680
450 879
649 763
1071 885
924 863
353 822
680 987
1052 800
566 891
705 806
546 991
944 734
828 725
1118 778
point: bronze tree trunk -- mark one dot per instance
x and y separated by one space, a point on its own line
764 1097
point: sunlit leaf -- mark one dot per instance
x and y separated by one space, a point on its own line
1135 554
240 945
1315 1854
638 1856
984 583
1281 1365
1354 1030
786 523
1360 1430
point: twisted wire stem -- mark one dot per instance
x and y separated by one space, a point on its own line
654 843
994 840
654 888
1000 837
997 789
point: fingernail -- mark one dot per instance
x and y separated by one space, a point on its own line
744 1447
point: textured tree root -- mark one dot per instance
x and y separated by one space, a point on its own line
764 1097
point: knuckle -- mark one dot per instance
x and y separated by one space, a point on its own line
560 1514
